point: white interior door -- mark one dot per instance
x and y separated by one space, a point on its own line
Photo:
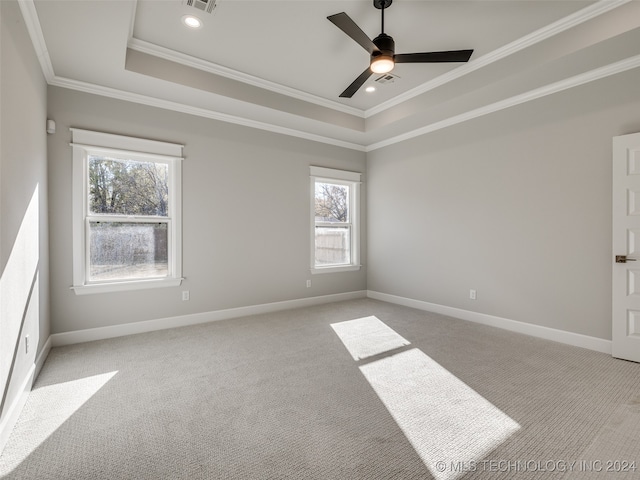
626 243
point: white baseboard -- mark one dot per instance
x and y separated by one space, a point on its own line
101 333
42 356
14 410
562 336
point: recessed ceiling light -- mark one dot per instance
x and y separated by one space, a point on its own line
370 89
191 21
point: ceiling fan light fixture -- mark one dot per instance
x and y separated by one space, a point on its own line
382 64
191 21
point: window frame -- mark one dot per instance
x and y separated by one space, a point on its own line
85 143
351 180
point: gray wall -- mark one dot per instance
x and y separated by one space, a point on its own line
516 205
24 288
245 214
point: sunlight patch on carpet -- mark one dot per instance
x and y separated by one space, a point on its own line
58 402
368 336
446 421
449 425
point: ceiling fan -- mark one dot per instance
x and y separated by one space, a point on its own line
382 49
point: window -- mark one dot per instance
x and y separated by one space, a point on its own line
335 225
126 213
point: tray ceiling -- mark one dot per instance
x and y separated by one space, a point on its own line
280 65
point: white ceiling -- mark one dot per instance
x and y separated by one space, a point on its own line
280 65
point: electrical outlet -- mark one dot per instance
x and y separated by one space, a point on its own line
308 283
26 344
472 294
185 295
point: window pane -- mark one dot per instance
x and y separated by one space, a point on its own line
331 202
333 246
127 251
127 187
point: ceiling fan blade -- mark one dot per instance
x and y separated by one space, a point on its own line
434 57
348 26
357 83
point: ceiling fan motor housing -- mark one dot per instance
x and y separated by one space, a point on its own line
385 44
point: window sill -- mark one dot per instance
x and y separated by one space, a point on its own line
126 286
335 269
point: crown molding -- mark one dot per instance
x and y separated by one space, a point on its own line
32 22
132 18
197 111
566 84
566 23
210 67
571 82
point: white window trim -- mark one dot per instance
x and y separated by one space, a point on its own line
85 142
352 179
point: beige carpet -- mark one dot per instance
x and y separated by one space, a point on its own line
278 396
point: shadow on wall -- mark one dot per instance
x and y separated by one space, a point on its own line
19 310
